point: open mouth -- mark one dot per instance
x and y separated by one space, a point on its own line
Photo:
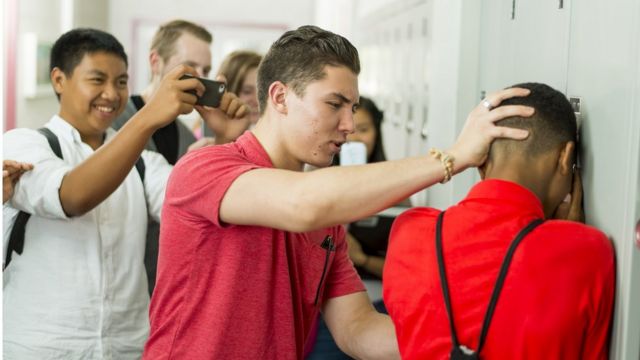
335 145
104 109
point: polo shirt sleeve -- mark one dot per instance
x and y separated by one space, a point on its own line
343 278
202 177
157 171
37 191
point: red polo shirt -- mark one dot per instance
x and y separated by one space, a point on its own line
557 298
236 292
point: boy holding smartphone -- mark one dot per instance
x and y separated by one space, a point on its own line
78 288
181 42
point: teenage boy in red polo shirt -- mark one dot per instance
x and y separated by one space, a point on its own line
250 246
557 293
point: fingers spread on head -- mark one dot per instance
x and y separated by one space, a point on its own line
510 133
504 112
497 97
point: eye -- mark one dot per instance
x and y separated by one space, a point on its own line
123 82
334 104
96 80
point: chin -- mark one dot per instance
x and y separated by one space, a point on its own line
321 164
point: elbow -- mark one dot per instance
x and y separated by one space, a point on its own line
76 205
304 220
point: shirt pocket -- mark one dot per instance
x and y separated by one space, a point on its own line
315 269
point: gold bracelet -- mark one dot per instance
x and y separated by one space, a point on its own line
446 160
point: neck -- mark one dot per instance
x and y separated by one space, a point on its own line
94 140
269 135
534 175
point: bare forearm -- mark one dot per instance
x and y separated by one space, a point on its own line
343 194
89 183
300 202
373 337
374 265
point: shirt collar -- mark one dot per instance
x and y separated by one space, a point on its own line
67 131
253 150
506 193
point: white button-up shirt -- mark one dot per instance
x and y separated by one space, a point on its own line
79 289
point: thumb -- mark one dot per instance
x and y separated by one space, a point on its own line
222 78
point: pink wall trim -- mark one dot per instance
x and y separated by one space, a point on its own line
11 46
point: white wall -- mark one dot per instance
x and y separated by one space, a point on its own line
45 21
253 25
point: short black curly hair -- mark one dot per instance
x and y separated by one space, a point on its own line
552 125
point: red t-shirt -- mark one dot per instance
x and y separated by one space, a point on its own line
557 298
236 292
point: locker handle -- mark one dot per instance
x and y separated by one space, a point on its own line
424 132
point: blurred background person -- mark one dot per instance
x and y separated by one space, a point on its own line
240 69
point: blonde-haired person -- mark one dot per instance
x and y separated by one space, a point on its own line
174 43
240 69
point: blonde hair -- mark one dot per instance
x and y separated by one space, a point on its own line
236 66
165 38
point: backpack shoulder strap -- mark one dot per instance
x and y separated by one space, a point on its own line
54 143
16 238
141 168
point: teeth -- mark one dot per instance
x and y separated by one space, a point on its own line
106 109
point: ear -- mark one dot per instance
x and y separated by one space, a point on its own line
566 158
277 96
156 63
58 79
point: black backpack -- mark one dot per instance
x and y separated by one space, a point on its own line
16 239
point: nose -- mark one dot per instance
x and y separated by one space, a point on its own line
110 92
347 124
201 72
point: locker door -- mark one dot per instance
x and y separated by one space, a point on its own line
417 124
417 121
394 87
496 58
524 41
541 42
604 71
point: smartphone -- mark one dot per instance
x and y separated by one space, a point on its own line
212 94
353 153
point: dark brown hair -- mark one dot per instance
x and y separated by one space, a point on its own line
299 57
